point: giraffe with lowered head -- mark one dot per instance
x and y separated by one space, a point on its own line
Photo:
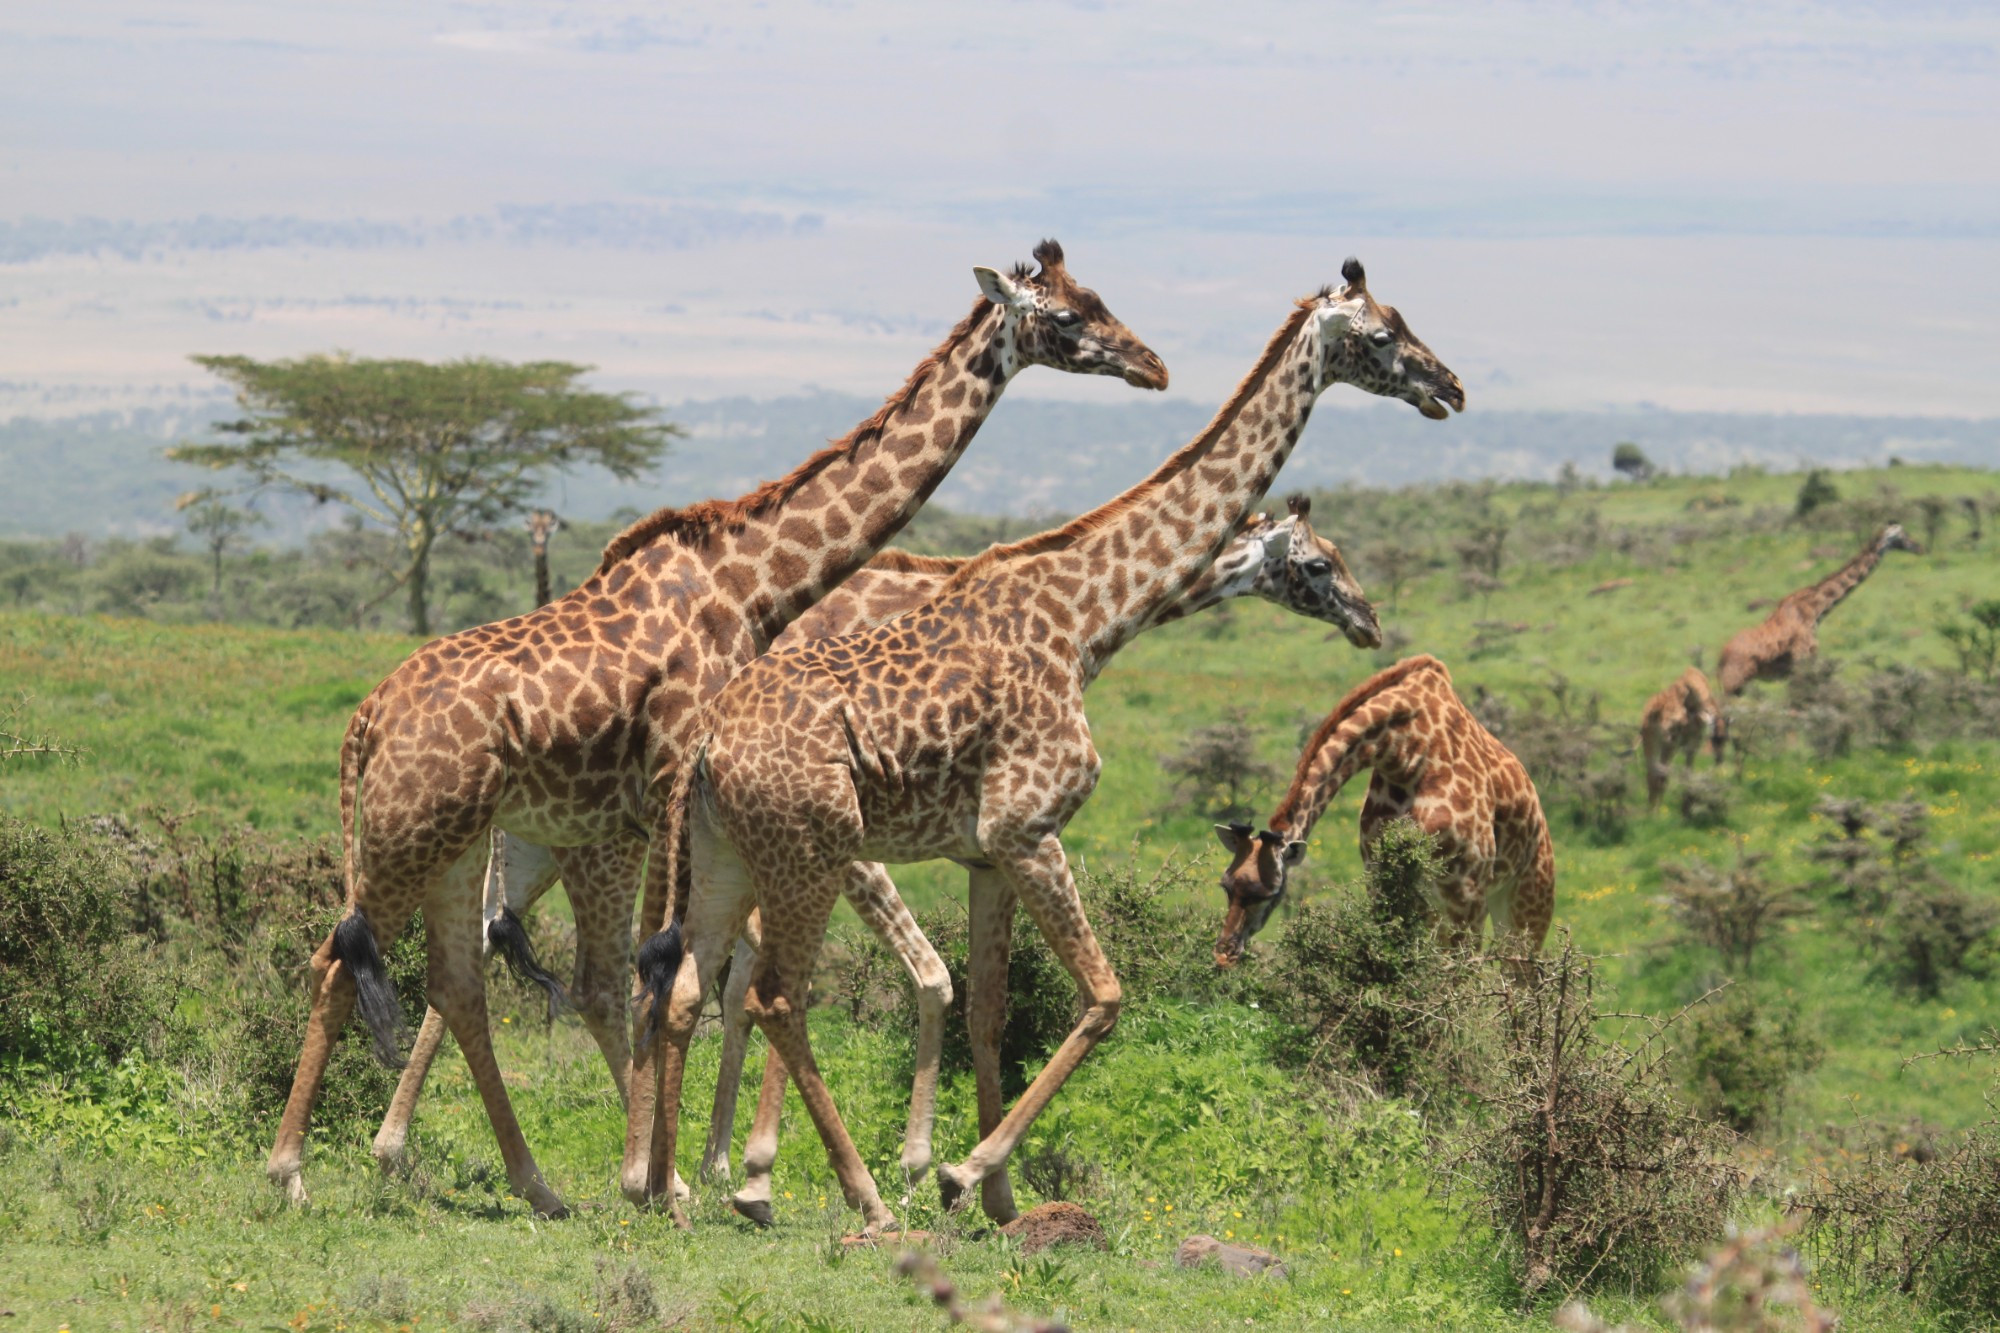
958 731
1790 634
1432 764
1674 722
558 725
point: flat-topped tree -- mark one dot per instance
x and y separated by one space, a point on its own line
557 726
957 731
426 449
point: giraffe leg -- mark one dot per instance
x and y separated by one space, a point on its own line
717 907
990 942
453 922
777 1000
760 1150
517 875
729 1079
874 898
1041 877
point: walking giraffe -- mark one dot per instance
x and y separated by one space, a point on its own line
957 731
1790 634
1281 561
557 725
1433 764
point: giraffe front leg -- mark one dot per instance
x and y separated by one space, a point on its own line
332 1002
874 898
990 942
1041 878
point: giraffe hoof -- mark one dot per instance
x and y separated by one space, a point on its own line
951 1189
756 1210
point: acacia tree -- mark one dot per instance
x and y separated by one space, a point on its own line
437 449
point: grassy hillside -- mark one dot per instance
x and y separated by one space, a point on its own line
1611 590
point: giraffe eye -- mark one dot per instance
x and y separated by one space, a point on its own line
1066 319
1319 567
1381 337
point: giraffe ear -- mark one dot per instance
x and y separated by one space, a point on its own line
1294 852
1235 837
1000 289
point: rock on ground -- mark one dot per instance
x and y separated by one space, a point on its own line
1242 1260
1055 1224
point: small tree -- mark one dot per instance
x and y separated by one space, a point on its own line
1629 460
217 526
1931 509
1976 639
1817 490
1215 769
438 448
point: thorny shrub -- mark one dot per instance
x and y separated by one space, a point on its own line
1753 1283
1742 1054
1733 910
1584 1159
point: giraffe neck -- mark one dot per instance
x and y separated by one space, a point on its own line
780 549
1370 728
1829 591
1237 572
1149 545
543 593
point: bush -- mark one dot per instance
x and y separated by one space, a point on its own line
1704 800
1366 993
1732 911
1933 932
1930 1227
1976 639
77 992
1742 1054
1585 1161
1216 769
1816 491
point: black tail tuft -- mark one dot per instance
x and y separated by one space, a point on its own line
354 948
509 938
659 961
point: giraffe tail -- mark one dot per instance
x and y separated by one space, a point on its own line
507 936
353 765
659 959
354 947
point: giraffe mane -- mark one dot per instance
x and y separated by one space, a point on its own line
697 522
1061 538
1352 700
897 561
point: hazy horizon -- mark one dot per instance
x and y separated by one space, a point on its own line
1579 207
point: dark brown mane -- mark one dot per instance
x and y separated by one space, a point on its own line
697 522
896 561
1056 539
1354 698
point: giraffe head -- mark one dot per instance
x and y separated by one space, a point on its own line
1369 346
1893 538
542 524
1306 575
1057 322
1254 883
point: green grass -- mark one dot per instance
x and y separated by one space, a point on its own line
1180 1107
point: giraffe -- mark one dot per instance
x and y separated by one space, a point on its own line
1281 561
542 524
957 731
1674 721
1790 634
1433 764
557 725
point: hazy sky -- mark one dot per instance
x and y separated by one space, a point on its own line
1576 205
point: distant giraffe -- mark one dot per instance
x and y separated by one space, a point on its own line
957 731
542 524
1433 764
560 725
1675 721
1790 634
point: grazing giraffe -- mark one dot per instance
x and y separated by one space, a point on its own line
542 524
557 725
1433 764
1281 561
1790 634
957 731
1674 722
